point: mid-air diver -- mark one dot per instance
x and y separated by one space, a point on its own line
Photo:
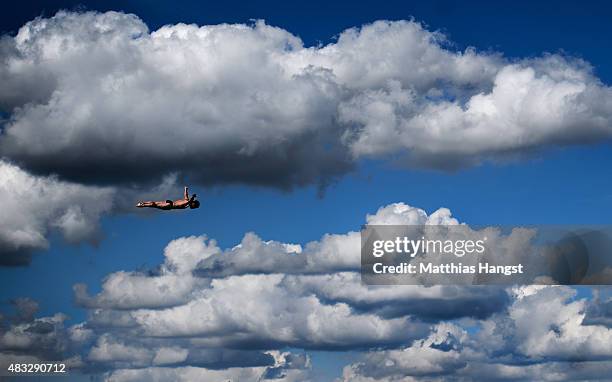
179 204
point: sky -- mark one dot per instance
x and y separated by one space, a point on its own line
116 117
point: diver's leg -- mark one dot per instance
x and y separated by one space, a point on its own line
159 205
186 194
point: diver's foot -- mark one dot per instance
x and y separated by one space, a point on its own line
140 204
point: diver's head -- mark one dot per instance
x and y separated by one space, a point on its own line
194 204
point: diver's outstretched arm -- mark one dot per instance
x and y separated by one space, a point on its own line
186 195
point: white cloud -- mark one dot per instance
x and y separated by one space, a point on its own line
38 205
549 324
403 214
332 253
532 104
542 335
435 355
99 97
183 254
286 367
194 374
171 324
270 294
220 89
173 285
132 290
256 309
108 350
35 205
170 355
24 338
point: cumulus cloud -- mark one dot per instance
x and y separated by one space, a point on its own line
548 324
185 374
599 312
435 303
287 368
29 339
173 284
186 320
233 114
174 323
100 98
532 104
327 268
435 355
256 311
542 335
332 253
35 205
232 318
26 339
38 205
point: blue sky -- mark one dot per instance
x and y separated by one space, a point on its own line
554 186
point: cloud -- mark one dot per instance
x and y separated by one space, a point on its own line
83 350
173 323
541 335
25 309
255 311
547 324
185 374
435 355
173 284
245 311
233 104
98 98
36 205
435 303
123 290
333 253
549 101
34 339
599 311
195 268
283 371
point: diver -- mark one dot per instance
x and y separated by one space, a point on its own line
179 204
